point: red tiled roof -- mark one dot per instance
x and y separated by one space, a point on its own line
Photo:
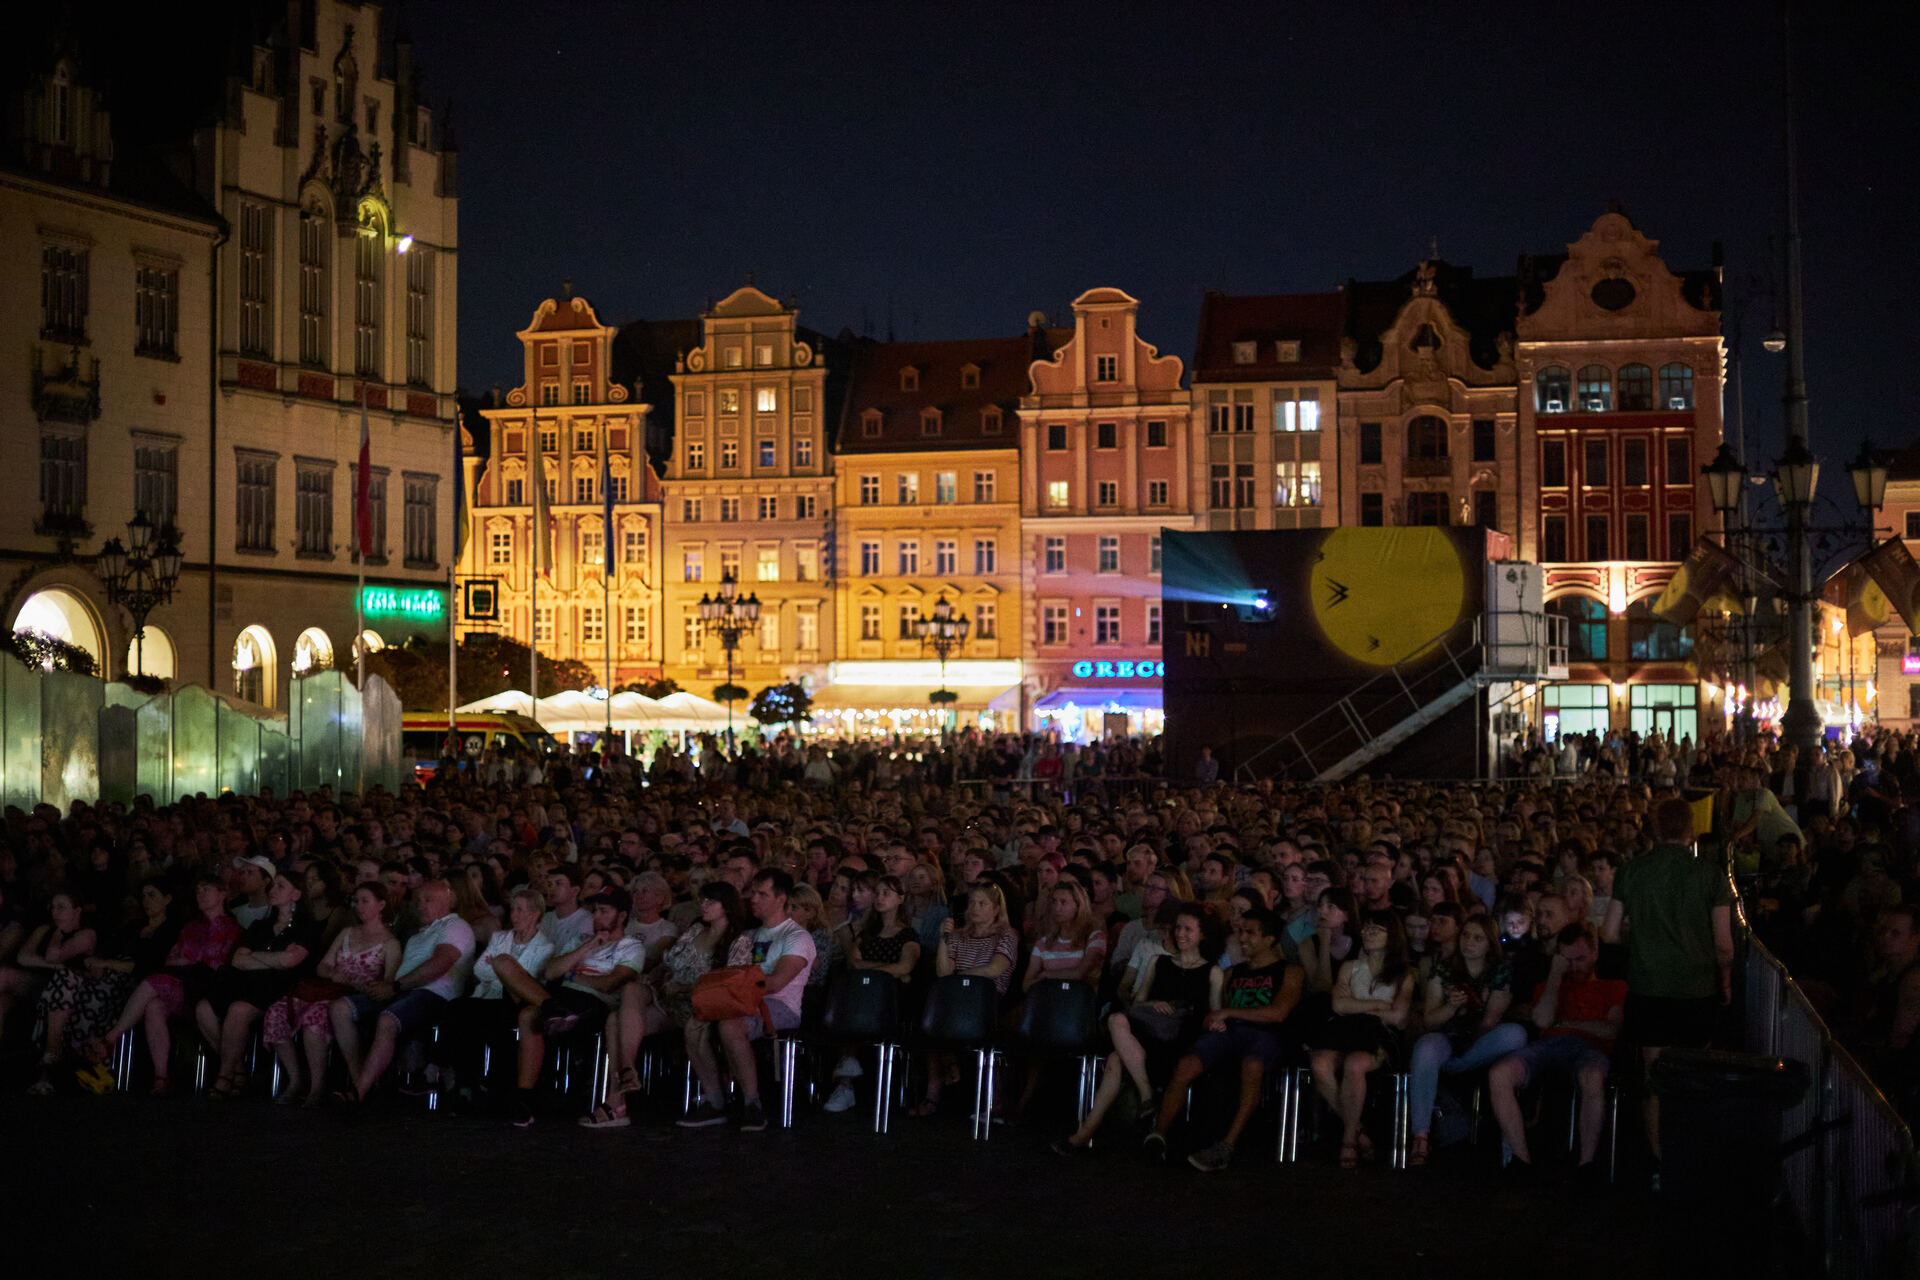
875 385
1315 320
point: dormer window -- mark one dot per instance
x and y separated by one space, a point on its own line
929 422
990 421
870 424
909 379
62 106
1425 339
1106 368
734 357
1287 351
1243 352
969 377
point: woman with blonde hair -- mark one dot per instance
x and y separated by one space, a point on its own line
982 945
471 905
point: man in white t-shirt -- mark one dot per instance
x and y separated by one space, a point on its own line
590 978
567 924
433 970
785 952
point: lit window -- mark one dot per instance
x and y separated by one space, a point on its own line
767 565
692 564
907 488
1553 390
1058 495
1676 386
807 629
946 487
986 621
1596 389
729 401
766 400
869 622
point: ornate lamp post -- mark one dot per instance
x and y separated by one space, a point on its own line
140 576
729 615
946 630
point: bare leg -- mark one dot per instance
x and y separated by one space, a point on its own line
746 1072
1175 1097
705 1065
233 1039
1127 1048
131 1015
1252 1073
289 1059
1103 1099
385 1040
207 1022
1325 1066
1353 1095
1503 1080
533 1047
1650 1104
1592 1084
159 1037
57 1020
316 1046
346 1033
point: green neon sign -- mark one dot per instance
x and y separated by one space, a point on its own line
416 604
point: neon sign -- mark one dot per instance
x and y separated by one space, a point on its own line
419 604
1119 670
1910 664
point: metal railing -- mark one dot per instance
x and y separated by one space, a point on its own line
1851 1175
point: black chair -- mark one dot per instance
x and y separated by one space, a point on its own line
863 1007
961 1015
1062 1016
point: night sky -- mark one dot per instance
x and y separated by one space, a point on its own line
942 170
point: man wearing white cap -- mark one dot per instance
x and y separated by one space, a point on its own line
252 877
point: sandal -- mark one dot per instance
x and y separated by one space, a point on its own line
1417 1152
162 1087
1349 1156
223 1087
605 1117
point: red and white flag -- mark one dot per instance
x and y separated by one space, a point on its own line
363 487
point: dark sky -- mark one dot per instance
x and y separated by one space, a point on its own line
957 166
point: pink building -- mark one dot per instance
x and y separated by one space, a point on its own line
1104 468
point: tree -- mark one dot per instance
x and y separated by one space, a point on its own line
41 651
731 693
782 704
655 689
488 664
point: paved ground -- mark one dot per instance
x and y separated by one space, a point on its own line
176 1187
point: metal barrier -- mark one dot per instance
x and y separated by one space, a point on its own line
1851 1174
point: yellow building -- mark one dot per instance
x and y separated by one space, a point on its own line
929 509
554 425
749 493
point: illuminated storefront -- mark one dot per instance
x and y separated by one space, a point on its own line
1106 699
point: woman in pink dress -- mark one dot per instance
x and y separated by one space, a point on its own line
205 944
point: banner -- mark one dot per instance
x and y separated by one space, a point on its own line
1852 588
1890 565
1707 568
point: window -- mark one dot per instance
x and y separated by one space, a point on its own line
419 316
584 440
806 563
805 506
583 489
633 544
1053 624
1243 485
807 630
909 559
593 624
803 451
869 557
1486 508
1156 435
1058 495
770 630
907 615
1671 710
500 547
1636 387
1639 536
1153 624
1427 509
1553 464
693 564
729 400
1633 463
1153 554
730 563
1106 368
691 632
869 622
690 511
366 303
1056 436
1427 438
1553 539
1108 492
907 488
1575 709
377 503
253 508
63 294
618 485
870 424
1596 389
1651 638
729 510
256 279
1106 624
1676 386
1369 443
1593 474
1586 627
766 455
1553 390
417 523
929 422
909 379
633 625
313 287
1156 493
986 621
763 355
729 455
1053 554
1296 484
543 625
1106 435
986 556
769 507
1372 515
946 487
946 556
516 492
1598 543
549 393
62 105
1109 554
549 438
766 399
1679 462
1483 441
156 481
1219 413
313 510
969 377
869 491
1220 486
1680 535
156 310
984 486
593 545
1296 415
1243 411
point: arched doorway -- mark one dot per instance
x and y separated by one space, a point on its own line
312 652
152 654
64 615
255 676
369 642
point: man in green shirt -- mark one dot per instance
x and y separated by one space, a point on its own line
1677 909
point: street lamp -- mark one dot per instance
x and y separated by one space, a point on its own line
140 577
728 616
946 630
1869 474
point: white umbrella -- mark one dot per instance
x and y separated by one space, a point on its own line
572 709
695 709
514 700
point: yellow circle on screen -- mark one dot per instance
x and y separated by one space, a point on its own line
1382 596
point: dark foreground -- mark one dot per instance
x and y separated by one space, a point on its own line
178 1187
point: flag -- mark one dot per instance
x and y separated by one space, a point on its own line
363 488
606 495
1892 569
462 522
1707 568
542 535
1852 588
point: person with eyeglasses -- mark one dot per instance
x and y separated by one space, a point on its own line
1372 997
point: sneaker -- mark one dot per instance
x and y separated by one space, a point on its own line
1062 1147
520 1115
704 1116
752 1118
1212 1159
849 1069
841 1099
1155 1145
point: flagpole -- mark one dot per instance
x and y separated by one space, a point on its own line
539 482
606 571
453 570
362 484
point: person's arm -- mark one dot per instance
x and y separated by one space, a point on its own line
1217 980
902 968
1278 1010
1548 1005
1440 1004
1343 1000
1607 1028
12 937
1722 949
558 966
519 984
431 970
785 970
942 958
1496 1009
1034 970
998 963
325 968
1395 1015
389 959
1617 914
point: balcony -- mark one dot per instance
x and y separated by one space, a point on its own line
1428 467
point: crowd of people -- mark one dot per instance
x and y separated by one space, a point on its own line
1536 935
